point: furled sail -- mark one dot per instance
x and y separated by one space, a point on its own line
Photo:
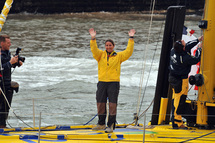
5 12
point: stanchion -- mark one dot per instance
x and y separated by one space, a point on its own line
144 127
39 128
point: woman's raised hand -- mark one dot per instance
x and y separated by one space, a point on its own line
92 33
131 32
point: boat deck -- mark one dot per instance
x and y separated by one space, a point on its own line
82 134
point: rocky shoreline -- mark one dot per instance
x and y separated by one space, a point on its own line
77 6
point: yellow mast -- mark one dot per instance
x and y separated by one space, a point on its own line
206 95
5 12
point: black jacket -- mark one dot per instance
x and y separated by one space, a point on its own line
6 66
180 63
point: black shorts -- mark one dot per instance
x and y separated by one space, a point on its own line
108 90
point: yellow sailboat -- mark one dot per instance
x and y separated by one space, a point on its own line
201 128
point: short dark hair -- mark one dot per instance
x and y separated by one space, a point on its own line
109 40
178 46
3 37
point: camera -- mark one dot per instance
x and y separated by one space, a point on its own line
19 57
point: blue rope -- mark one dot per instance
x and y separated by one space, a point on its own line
91 119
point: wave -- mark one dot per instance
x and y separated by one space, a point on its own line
45 71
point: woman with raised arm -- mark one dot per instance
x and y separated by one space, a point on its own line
109 66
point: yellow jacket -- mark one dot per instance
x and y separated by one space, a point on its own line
109 69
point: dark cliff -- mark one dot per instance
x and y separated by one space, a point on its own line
65 6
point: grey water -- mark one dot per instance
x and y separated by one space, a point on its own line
59 76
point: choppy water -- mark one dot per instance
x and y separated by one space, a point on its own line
60 73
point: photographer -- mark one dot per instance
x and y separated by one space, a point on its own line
6 64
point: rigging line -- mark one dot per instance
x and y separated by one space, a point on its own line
22 120
203 86
12 109
150 72
141 80
9 124
198 137
190 88
189 91
6 99
141 115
